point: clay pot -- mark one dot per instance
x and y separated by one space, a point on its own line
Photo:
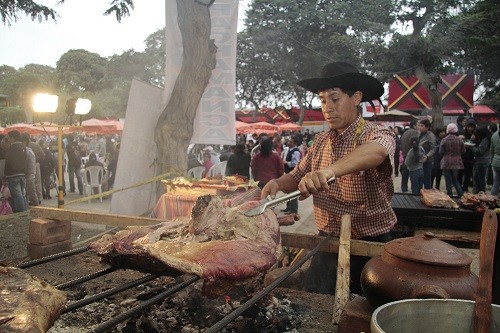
418 267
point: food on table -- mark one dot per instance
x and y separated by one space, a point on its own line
27 303
480 201
235 180
435 198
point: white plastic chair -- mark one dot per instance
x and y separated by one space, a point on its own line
218 169
196 172
85 159
93 177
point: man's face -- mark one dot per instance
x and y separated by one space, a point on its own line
338 108
422 128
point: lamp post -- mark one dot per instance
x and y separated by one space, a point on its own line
46 103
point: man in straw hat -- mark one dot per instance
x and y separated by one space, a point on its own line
360 155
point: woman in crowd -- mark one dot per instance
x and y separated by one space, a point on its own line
239 162
277 144
482 158
451 150
414 162
207 163
437 172
267 164
428 142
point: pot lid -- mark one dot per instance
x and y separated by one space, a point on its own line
427 249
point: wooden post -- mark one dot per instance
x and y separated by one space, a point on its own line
343 269
482 308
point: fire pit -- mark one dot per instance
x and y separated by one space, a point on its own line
283 310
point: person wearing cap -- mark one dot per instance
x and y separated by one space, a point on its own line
451 149
359 155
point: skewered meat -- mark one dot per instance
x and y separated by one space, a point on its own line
27 304
218 243
436 198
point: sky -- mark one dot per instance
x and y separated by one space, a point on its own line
82 25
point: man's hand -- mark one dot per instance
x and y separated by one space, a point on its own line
271 188
315 182
285 183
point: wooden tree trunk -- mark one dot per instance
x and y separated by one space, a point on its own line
434 96
300 97
175 125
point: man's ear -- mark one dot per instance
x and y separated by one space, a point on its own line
358 96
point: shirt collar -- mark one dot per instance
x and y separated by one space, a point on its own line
349 131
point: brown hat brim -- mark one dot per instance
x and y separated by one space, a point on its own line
371 88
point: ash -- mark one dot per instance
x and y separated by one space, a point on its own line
189 311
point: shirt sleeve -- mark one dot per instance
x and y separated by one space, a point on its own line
384 137
432 144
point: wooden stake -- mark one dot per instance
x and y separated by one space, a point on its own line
482 308
343 269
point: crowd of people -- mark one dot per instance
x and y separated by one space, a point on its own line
29 165
466 153
259 157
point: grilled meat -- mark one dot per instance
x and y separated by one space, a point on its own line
27 304
217 243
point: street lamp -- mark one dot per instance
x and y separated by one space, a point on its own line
46 103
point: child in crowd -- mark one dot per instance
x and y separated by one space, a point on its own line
414 162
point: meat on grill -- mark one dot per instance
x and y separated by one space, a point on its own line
27 304
217 243
436 198
480 201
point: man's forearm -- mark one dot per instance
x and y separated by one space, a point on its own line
287 183
367 156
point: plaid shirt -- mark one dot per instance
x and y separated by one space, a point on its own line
365 196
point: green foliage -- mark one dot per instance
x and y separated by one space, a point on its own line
286 41
81 71
10 10
21 85
478 47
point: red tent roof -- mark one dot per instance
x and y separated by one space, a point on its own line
481 109
455 112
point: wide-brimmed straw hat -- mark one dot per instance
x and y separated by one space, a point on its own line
345 76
